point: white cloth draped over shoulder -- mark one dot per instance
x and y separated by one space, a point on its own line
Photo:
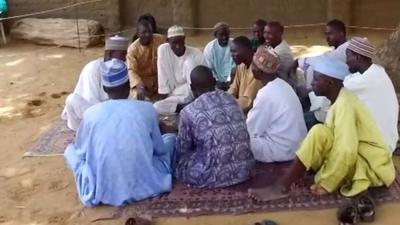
88 91
320 104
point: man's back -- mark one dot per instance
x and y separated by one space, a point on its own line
213 146
118 155
276 123
375 89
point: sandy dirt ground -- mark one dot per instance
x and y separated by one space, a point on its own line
34 82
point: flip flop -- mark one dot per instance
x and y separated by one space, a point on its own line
266 222
348 215
365 207
137 221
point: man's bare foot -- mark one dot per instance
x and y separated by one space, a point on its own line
317 189
269 193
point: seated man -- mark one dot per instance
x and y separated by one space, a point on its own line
273 37
275 123
213 146
316 107
258 34
175 62
218 56
119 155
89 89
372 85
149 18
348 152
142 62
244 87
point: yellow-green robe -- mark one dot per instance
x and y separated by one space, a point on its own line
348 151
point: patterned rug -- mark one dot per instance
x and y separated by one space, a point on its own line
184 201
53 141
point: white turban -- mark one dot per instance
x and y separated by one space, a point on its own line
329 66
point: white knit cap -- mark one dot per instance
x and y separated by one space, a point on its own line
175 31
114 73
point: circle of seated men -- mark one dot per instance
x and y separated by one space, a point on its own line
238 102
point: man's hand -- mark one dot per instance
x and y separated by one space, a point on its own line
140 91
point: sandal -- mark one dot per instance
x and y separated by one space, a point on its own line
266 222
137 221
365 207
348 215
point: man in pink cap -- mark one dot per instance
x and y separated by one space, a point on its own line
373 87
275 123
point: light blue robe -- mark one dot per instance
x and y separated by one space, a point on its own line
219 59
119 155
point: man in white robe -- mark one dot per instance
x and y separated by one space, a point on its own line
89 89
273 33
372 85
275 123
175 62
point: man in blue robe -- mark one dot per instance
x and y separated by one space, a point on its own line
119 155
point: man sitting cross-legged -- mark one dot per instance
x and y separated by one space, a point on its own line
275 123
347 152
174 64
119 155
213 146
218 55
142 62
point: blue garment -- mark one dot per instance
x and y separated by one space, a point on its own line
119 155
213 146
219 59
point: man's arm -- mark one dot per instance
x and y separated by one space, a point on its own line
163 70
134 78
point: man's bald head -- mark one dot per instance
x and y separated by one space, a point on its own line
202 80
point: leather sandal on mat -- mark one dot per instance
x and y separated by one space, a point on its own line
365 208
348 215
266 222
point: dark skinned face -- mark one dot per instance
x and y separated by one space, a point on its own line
115 54
238 53
145 34
222 36
352 61
177 45
258 32
272 36
320 84
333 37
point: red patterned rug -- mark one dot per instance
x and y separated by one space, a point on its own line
184 201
